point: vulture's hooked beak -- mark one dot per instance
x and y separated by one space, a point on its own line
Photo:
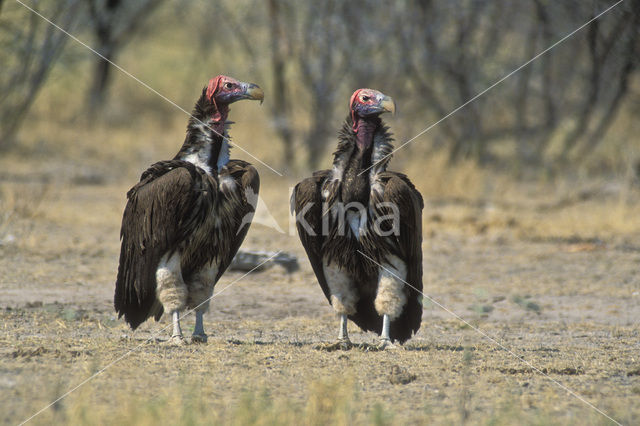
253 91
387 104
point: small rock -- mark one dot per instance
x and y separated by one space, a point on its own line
8 240
6 382
435 218
255 261
633 372
400 376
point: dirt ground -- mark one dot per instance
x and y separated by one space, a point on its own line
545 313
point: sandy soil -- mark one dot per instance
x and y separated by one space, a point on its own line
568 307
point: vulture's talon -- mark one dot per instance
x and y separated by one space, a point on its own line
176 340
385 344
340 345
199 338
345 344
368 347
381 346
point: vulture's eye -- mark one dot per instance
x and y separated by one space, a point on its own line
365 98
228 85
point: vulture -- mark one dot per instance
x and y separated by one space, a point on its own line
186 218
361 227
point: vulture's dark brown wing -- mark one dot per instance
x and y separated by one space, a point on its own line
307 198
240 205
306 203
162 211
399 190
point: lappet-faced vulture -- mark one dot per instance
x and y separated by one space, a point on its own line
360 225
186 218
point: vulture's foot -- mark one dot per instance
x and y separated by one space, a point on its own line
385 344
381 346
199 338
176 340
340 345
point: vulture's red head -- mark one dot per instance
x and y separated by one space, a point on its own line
366 103
223 90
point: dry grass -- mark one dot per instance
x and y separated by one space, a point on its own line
274 380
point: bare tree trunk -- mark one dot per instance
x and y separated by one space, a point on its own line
470 144
598 59
101 75
320 69
280 93
418 72
103 26
631 62
114 22
36 57
550 120
526 152
317 137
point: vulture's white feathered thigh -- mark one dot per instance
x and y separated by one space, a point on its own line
171 289
391 297
344 295
201 287
200 292
176 295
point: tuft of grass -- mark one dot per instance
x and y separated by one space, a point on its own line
191 403
380 417
331 402
529 305
20 202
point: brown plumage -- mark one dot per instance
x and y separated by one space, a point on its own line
334 251
187 217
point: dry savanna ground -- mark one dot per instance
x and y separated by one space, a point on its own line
543 271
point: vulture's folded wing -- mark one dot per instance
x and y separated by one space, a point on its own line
241 205
399 191
162 211
306 204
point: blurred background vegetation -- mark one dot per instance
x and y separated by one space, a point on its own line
574 110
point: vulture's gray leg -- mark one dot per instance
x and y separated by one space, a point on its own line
385 340
343 336
176 336
198 331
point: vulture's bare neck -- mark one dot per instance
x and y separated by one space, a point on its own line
355 163
366 144
364 131
207 142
